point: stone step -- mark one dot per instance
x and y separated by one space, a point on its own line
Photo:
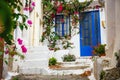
67 64
38 70
68 72
34 63
78 62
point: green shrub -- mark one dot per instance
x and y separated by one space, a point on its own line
99 49
68 58
102 74
52 61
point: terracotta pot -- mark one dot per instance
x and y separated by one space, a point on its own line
102 55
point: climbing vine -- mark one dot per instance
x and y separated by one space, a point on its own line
51 8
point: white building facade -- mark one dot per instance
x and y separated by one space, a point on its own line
38 52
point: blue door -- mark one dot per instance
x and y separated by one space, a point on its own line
89 32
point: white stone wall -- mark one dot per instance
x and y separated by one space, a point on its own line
113 27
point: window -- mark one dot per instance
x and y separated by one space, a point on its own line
62 23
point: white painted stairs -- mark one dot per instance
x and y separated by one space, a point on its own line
73 67
36 61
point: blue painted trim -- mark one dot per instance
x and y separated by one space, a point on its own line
66 25
55 25
99 33
80 34
63 26
93 29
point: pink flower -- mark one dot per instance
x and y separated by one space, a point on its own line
52 15
33 4
6 51
60 8
76 12
26 8
24 49
97 6
29 22
30 9
20 41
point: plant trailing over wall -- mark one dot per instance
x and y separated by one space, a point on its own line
51 8
68 58
52 61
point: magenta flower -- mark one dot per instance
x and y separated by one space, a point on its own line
60 8
29 22
33 4
20 41
52 15
30 9
76 12
26 8
24 49
6 51
97 6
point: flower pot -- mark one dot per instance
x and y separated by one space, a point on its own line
102 55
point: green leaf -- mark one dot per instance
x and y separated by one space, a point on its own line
21 26
6 62
18 8
26 27
1 53
10 36
24 19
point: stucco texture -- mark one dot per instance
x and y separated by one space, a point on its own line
113 28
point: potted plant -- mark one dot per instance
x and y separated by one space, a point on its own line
99 50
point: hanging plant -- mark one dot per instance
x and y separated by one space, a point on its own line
51 8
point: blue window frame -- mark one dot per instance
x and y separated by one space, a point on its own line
62 23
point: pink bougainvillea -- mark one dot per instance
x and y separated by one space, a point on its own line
76 12
6 51
97 6
33 4
30 9
24 49
60 8
29 22
20 41
52 15
26 8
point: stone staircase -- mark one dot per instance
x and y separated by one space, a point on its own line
72 68
36 61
